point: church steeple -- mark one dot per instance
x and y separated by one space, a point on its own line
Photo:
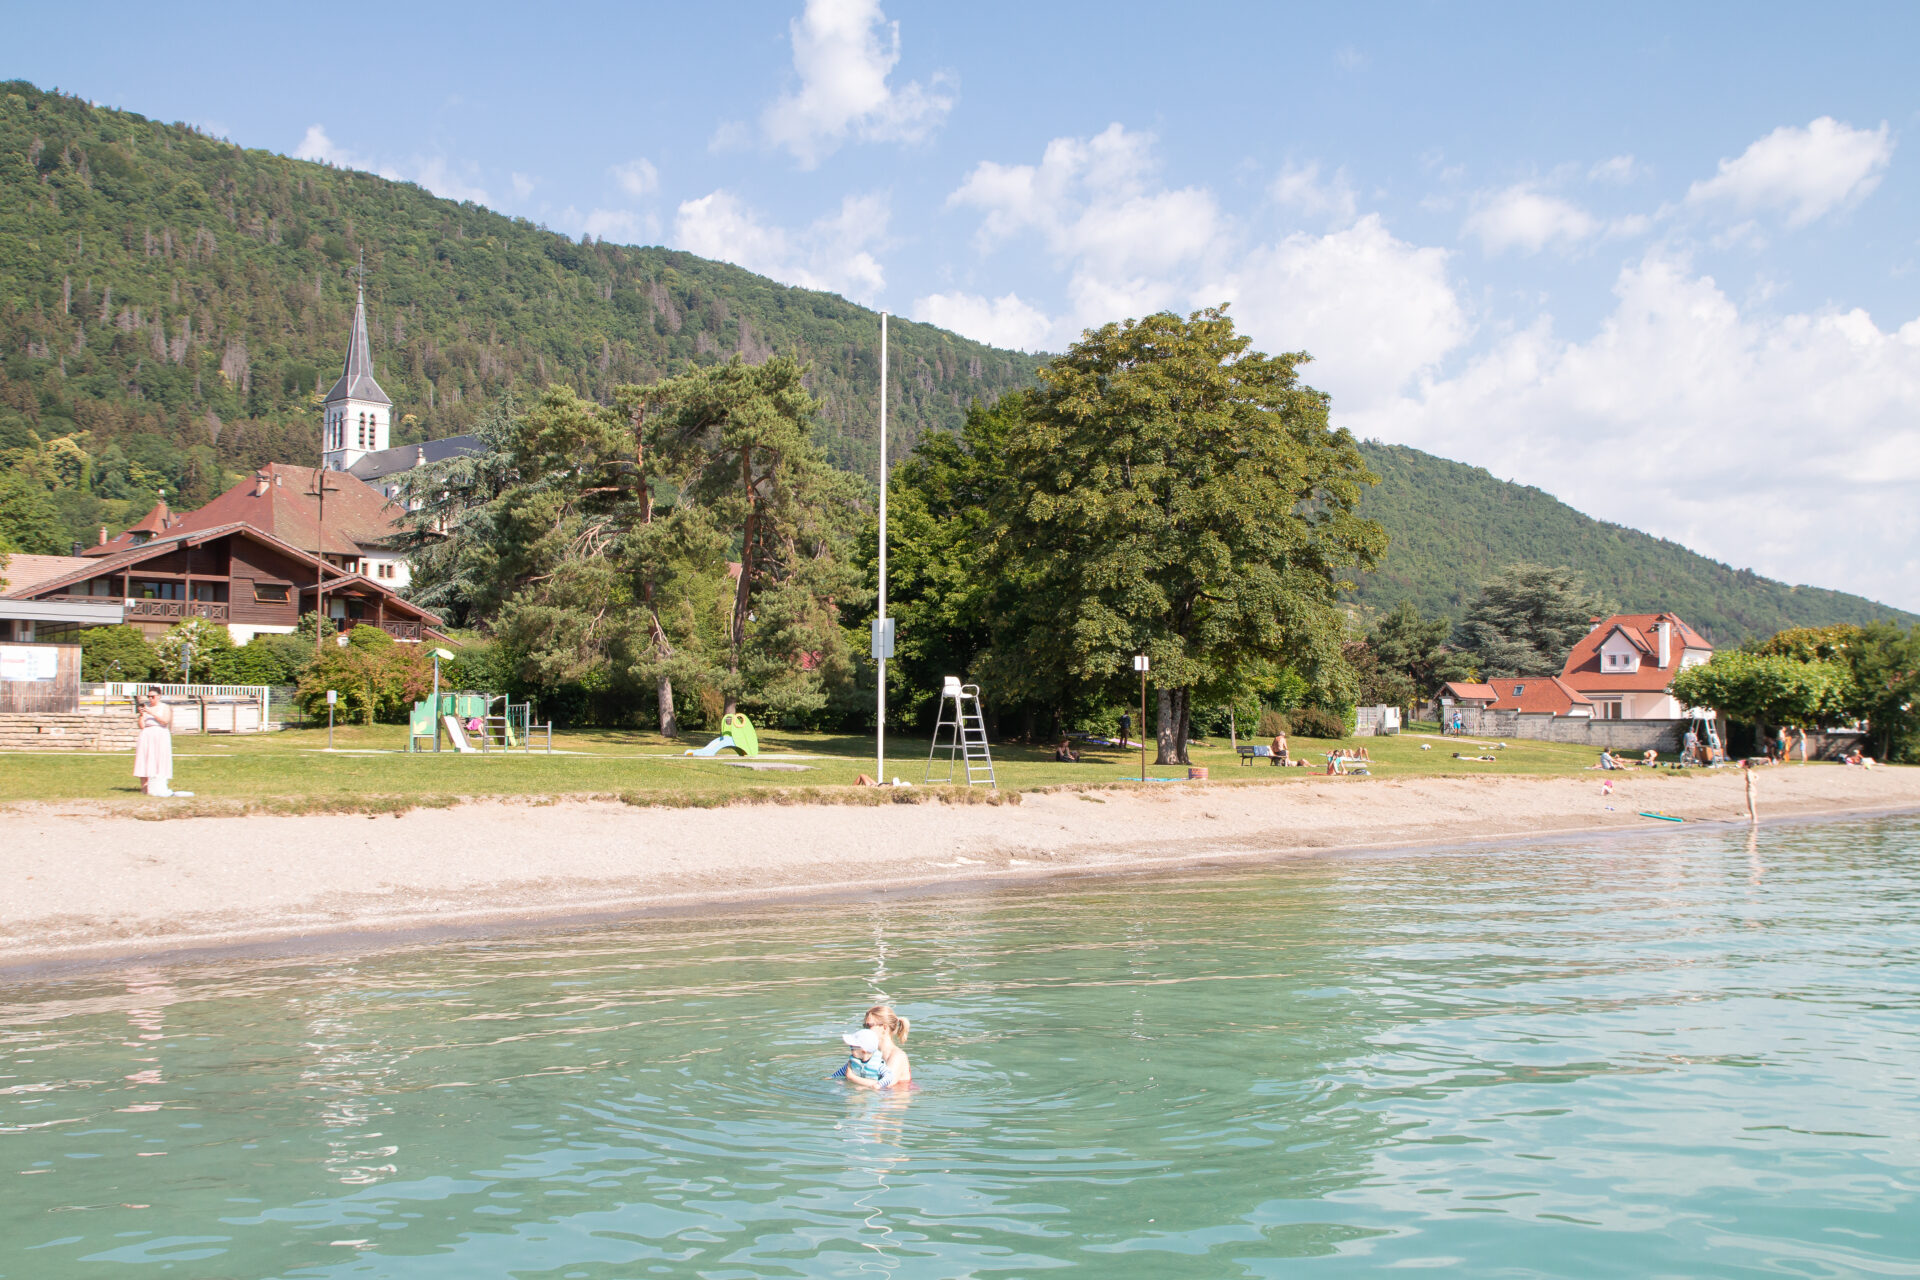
357 410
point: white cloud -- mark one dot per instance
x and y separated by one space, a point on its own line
435 173
1006 321
1618 169
1808 172
522 185
843 53
834 253
1129 246
1790 444
317 146
1525 218
1302 189
1373 310
638 177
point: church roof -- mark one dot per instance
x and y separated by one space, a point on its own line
356 380
404 457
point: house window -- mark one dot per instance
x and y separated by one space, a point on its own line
1519 689
270 592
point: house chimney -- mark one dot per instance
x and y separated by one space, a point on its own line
1666 640
103 535
262 482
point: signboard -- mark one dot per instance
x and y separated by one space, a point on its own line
333 696
882 637
29 662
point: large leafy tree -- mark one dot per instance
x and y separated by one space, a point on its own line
594 542
743 436
1416 647
1767 689
1527 620
1173 492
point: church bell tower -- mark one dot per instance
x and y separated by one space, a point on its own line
357 410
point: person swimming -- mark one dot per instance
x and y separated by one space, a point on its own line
865 1066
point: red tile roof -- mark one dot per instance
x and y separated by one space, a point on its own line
1537 694
358 517
1585 672
1462 691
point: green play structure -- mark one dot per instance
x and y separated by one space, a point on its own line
736 734
473 722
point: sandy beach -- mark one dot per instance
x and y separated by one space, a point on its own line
90 885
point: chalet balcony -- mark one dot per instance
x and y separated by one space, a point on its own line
176 610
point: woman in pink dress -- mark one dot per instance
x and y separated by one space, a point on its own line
153 749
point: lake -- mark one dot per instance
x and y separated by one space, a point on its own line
1693 1053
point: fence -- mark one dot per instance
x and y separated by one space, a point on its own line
39 678
202 708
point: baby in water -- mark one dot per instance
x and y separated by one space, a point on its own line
865 1067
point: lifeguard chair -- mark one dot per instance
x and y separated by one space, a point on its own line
966 734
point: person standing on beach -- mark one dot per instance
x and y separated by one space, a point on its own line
1780 744
1802 731
1746 771
1126 728
153 749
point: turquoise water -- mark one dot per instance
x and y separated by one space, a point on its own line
1684 1054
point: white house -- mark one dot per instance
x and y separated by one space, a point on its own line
1625 663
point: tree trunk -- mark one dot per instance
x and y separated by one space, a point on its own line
669 722
743 592
1182 724
1165 722
1233 732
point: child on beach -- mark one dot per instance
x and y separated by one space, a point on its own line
865 1067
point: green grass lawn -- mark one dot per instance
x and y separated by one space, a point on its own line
369 767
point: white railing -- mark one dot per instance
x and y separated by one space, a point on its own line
220 692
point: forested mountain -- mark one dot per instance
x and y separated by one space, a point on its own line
155 281
171 305
1454 526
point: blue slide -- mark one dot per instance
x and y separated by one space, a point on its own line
715 747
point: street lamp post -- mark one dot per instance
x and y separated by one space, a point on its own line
1141 664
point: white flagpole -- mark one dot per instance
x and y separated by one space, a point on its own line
880 737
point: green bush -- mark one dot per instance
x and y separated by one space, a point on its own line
115 653
1273 723
208 641
295 653
374 681
1314 722
258 663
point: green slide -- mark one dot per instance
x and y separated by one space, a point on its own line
740 729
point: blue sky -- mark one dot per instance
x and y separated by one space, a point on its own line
1661 261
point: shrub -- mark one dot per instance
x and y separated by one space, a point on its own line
208 641
1313 722
295 653
375 681
1273 723
114 653
263 662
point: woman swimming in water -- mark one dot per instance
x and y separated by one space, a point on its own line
893 1029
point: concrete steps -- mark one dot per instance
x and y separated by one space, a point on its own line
45 731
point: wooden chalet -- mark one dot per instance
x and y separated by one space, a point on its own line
230 573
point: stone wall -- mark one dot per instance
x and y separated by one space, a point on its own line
1608 735
74 731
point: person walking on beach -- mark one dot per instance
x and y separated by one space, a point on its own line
153 749
892 1029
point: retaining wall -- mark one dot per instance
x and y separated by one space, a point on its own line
70 731
1607 735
